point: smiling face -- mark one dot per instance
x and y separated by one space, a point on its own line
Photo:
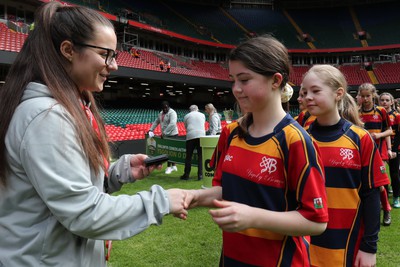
88 68
251 90
320 99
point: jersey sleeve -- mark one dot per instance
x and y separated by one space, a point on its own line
219 154
300 117
374 173
306 176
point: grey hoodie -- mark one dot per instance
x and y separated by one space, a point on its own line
54 211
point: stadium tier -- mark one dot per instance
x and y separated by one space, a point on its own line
133 124
10 40
149 60
329 27
388 72
355 74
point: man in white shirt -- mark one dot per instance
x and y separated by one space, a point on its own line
195 128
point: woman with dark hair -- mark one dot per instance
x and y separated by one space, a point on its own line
54 156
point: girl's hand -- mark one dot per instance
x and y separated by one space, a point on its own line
365 259
177 203
232 216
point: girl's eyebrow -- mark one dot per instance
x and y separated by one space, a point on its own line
239 74
313 87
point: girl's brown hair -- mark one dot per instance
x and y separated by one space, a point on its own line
266 56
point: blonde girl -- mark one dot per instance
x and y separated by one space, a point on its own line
377 123
353 169
386 100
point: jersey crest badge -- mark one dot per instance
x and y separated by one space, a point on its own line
383 169
318 203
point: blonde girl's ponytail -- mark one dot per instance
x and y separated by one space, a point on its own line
348 110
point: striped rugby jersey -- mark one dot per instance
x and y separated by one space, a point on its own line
305 119
278 172
376 120
352 164
394 118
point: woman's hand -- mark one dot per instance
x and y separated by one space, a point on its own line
177 203
138 167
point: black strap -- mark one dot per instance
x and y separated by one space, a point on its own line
106 186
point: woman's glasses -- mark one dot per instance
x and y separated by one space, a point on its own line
111 54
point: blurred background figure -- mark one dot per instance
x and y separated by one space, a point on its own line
377 123
194 123
214 120
386 100
169 67
167 118
161 65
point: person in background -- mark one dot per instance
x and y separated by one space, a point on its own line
304 118
133 52
377 123
54 169
397 104
136 54
161 64
194 123
167 118
301 105
354 171
386 100
214 120
268 185
169 67
358 100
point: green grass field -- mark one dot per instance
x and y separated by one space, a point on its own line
197 241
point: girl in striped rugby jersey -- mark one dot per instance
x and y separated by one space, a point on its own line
354 172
